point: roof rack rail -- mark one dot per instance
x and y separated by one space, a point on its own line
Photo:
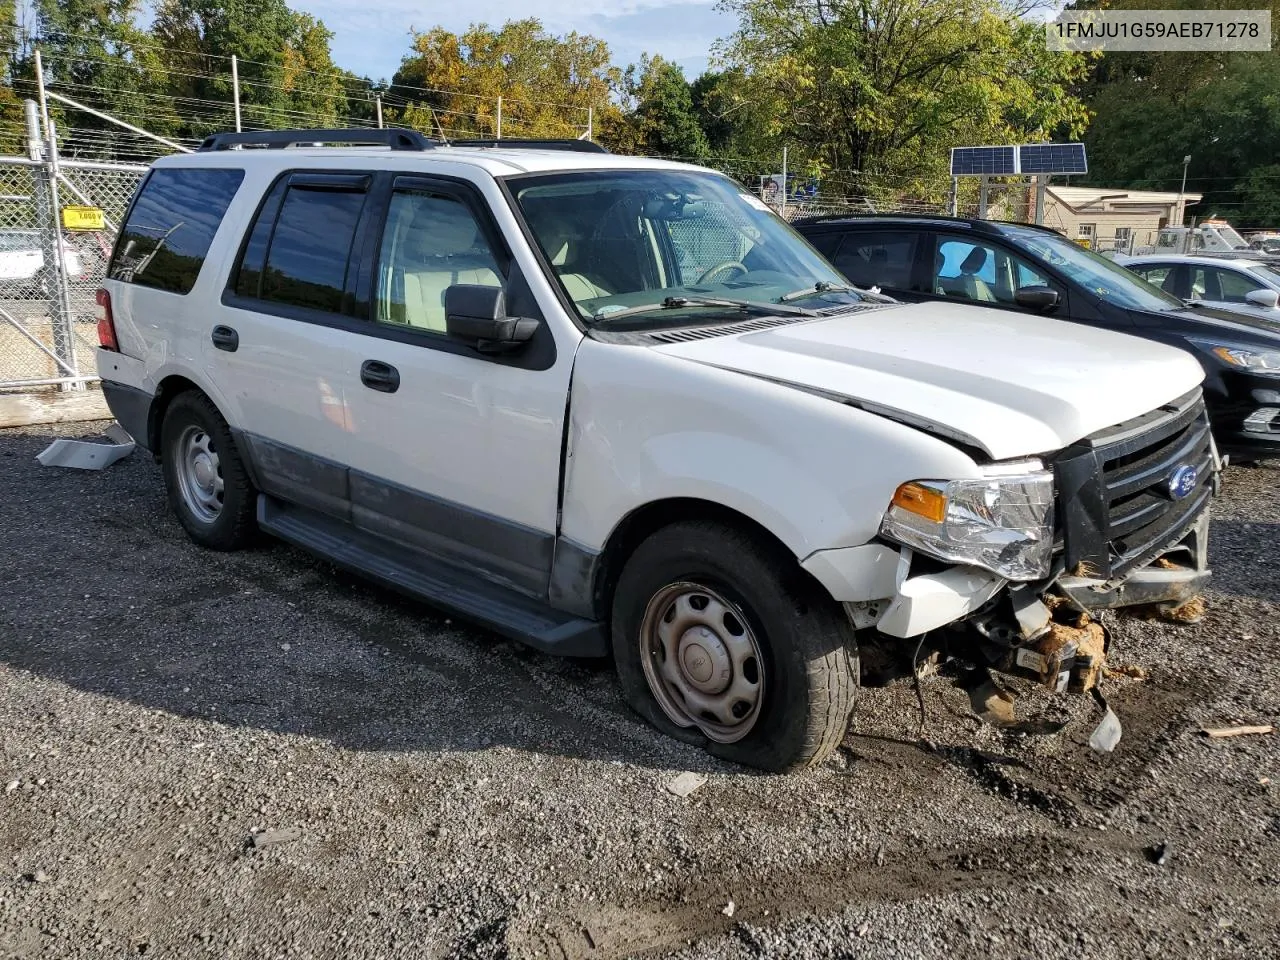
397 138
518 143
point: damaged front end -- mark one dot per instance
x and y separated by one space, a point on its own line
1130 530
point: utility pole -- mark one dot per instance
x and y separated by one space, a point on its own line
235 88
499 119
377 105
784 176
1182 191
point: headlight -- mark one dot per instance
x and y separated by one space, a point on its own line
1003 522
1246 358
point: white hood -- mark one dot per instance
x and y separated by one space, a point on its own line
1014 384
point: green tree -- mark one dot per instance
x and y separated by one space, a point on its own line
1222 109
660 119
884 87
93 51
549 84
287 76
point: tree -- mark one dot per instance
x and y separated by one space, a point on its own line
549 85
660 119
287 77
1221 109
884 87
94 51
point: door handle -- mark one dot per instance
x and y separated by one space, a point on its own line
225 338
380 376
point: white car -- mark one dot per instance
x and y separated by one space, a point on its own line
1242 285
615 406
22 262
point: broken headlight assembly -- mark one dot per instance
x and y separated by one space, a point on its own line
1002 522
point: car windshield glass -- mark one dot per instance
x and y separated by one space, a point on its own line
622 239
1097 274
15 240
1268 275
1229 234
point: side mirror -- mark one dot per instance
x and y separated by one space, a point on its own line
1263 298
477 315
1041 299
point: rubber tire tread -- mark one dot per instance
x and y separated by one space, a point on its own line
237 525
812 672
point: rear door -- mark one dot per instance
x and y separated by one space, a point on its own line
282 347
880 258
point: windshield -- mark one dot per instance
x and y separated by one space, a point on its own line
1234 239
19 240
628 239
1269 275
1097 274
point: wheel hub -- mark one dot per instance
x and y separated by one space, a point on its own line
704 661
205 471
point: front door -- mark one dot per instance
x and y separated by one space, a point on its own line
453 451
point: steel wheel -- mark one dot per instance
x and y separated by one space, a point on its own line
199 474
702 661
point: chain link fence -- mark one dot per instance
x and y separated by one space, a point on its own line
48 329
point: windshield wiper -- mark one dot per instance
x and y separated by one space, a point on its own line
825 286
679 303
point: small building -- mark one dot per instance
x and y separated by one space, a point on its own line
1113 218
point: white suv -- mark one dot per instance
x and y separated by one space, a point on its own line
610 405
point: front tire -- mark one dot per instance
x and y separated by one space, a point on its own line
208 485
720 639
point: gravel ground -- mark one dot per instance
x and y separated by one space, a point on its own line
420 788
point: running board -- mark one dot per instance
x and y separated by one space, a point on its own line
502 610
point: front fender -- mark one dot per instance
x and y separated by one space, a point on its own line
816 473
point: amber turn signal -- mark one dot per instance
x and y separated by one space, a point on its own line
921 500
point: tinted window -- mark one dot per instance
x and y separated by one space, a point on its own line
877 259
310 248
825 243
430 242
167 236
248 279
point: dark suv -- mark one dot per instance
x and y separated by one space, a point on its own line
1017 266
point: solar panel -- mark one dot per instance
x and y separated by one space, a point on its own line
983 161
1052 158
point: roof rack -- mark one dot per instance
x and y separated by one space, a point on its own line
525 143
397 138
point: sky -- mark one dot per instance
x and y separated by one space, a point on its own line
371 36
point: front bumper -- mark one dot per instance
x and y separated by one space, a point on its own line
1247 422
1177 576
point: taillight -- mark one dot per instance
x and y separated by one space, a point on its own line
106 323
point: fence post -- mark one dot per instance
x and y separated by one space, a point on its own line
48 210
499 123
377 104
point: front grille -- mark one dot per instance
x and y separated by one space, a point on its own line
1115 508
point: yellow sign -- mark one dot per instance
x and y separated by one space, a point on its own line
82 218
1086 242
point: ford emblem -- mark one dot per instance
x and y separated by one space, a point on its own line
1182 482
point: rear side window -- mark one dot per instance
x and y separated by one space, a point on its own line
299 249
171 226
877 259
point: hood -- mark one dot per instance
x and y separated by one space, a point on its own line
1249 323
1012 384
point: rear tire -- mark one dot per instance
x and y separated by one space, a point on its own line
208 485
720 639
